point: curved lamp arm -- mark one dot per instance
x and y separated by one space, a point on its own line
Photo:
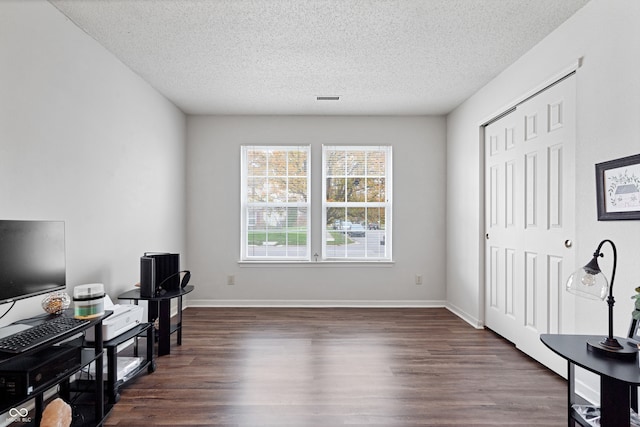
610 341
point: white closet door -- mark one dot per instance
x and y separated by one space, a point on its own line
530 203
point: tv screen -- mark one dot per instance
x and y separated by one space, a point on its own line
32 258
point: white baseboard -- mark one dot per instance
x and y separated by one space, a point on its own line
587 385
476 323
337 303
314 303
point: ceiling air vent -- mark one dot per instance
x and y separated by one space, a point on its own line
328 98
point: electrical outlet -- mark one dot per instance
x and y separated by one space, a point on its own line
231 280
418 279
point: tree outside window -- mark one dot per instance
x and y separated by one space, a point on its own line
356 202
275 202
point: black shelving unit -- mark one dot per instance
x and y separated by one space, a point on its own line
148 363
88 405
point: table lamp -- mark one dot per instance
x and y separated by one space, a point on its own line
589 282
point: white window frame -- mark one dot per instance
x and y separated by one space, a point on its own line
387 204
246 205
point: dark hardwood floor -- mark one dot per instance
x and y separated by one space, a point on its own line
340 366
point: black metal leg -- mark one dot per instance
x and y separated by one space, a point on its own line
112 374
179 320
99 404
39 408
150 346
614 402
164 333
152 311
571 387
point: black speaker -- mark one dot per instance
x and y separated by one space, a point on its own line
147 277
166 267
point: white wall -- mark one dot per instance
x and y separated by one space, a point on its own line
85 140
606 34
213 223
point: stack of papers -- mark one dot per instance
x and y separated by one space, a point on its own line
126 365
591 414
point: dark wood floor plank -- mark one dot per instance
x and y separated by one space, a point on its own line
340 367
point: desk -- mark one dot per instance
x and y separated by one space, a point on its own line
160 308
617 376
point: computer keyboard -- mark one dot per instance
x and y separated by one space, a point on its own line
39 334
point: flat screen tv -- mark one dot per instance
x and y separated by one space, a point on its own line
32 258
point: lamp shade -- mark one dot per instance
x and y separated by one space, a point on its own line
589 282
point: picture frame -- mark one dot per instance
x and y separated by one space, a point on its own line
618 189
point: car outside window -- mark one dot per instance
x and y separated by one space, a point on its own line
357 201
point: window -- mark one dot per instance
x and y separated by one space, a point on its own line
275 186
356 206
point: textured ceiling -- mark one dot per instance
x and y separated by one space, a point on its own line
277 56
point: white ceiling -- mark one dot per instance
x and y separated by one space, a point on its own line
276 56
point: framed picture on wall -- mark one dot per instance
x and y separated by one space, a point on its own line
618 189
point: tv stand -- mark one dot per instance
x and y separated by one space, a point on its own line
90 403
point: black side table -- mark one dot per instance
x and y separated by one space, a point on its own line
618 377
160 308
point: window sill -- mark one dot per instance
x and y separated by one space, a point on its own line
323 264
